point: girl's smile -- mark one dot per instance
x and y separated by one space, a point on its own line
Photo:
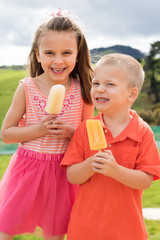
58 70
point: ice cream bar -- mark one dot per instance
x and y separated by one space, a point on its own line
97 140
55 99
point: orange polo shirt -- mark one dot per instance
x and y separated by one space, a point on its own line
104 208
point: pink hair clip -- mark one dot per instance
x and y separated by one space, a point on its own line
65 13
59 12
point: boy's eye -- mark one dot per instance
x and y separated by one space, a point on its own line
110 84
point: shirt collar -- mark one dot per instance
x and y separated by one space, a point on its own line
133 130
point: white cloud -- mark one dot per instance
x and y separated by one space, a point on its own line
14 55
134 23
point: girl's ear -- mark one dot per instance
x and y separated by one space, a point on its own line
133 94
37 55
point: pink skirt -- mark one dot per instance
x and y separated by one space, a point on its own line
34 191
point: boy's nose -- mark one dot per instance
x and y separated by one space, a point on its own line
101 88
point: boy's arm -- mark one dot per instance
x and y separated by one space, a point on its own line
77 157
79 173
133 178
106 164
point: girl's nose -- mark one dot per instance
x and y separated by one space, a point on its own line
58 60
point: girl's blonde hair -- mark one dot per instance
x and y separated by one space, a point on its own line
83 70
131 65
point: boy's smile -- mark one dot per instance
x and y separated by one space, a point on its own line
102 100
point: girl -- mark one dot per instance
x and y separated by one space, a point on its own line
35 189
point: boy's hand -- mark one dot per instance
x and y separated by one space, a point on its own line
104 163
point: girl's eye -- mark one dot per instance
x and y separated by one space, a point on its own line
67 52
49 53
95 83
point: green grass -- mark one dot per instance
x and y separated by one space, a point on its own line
9 80
151 198
4 160
153 229
26 237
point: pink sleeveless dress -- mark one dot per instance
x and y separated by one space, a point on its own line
34 190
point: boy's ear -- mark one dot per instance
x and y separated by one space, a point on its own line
133 94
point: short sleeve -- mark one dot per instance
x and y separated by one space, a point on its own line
75 152
88 111
148 158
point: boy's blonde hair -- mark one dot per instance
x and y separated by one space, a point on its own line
131 66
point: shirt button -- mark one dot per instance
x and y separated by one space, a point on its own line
109 145
105 130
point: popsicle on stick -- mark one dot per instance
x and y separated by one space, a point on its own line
55 99
97 140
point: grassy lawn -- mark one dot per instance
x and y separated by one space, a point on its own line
151 198
153 229
9 80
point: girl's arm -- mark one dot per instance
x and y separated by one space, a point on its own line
106 164
11 132
79 173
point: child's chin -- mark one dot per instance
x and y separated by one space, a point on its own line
99 109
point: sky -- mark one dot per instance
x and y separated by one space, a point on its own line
104 22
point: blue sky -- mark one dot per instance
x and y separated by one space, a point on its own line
105 23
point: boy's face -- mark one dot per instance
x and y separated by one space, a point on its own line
110 92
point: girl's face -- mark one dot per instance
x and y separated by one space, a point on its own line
110 92
57 53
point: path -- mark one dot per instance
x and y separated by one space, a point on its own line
151 213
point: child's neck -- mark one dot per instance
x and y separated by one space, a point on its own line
44 84
117 123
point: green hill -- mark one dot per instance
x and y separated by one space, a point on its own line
97 53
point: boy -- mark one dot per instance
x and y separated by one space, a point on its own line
108 204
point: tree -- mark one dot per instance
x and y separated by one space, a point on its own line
152 69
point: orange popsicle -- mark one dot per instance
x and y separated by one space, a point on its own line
55 99
97 140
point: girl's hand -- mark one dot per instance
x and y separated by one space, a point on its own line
45 122
60 129
104 163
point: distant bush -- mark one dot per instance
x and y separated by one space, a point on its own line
147 116
156 114
14 67
152 115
